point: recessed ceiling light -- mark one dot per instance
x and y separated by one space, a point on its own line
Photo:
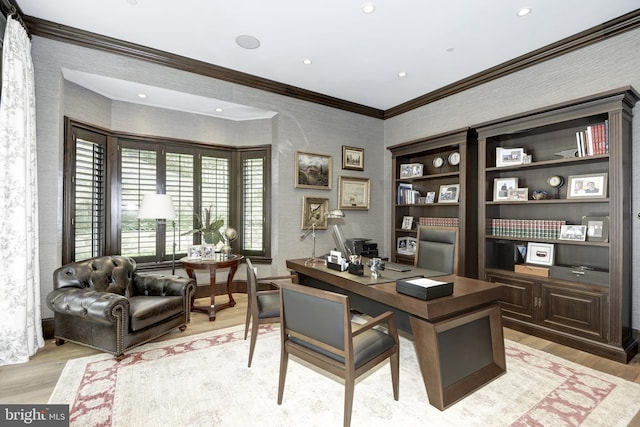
307 62
142 95
247 42
219 110
450 49
402 74
524 11
368 8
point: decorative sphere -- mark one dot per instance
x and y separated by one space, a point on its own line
231 234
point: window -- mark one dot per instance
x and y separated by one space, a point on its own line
110 173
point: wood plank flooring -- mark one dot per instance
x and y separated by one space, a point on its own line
34 381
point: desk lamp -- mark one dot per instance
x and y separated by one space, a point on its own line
335 213
160 207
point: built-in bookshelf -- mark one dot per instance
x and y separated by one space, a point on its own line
434 184
554 214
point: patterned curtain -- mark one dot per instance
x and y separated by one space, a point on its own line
20 316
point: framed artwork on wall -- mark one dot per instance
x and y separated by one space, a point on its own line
313 212
353 193
352 158
313 171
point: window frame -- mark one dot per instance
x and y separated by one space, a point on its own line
114 141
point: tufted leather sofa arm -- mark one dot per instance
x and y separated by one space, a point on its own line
103 307
150 284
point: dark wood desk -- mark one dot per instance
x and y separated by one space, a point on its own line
458 338
219 261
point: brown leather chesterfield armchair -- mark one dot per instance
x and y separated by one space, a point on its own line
104 303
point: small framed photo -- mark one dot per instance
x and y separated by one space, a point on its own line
540 253
194 252
430 197
416 169
573 232
597 228
587 186
208 251
449 193
407 223
352 158
509 156
353 193
501 187
313 171
313 213
406 169
406 245
518 194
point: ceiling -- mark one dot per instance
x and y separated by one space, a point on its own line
355 56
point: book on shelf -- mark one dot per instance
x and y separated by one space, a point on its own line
594 140
526 228
439 221
407 195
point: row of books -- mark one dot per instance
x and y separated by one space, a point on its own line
594 140
407 195
527 228
439 222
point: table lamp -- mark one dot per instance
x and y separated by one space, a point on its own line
335 213
160 207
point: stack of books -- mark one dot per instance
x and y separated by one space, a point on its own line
407 195
439 221
594 140
527 228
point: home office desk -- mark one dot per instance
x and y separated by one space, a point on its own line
458 338
219 261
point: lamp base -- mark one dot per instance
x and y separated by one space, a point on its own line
314 261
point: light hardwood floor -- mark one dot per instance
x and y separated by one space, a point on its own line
33 382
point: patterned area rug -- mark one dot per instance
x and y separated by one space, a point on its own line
203 380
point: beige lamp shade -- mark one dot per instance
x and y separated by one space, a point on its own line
157 206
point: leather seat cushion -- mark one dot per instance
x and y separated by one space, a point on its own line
268 305
146 311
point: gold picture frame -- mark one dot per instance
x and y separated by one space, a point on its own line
354 193
314 210
352 158
313 171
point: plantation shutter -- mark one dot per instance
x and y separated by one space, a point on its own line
253 204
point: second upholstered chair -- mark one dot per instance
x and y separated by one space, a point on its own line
262 307
437 249
316 327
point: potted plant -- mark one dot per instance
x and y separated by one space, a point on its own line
208 229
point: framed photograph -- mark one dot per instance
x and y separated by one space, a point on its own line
540 253
518 194
208 251
597 228
416 169
406 169
406 245
573 232
430 197
352 158
449 193
509 156
407 223
587 186
194 252
501 187
313 171
353 193
313 212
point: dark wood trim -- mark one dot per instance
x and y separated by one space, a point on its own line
52 30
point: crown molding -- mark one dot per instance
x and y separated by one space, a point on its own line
52 30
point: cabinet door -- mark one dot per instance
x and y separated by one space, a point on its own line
580 312
518 296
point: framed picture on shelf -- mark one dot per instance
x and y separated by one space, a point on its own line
509 156
587 186
353 193
405 170
540 253
430 197
573 232
416 169
501 187
449 193
406 245
597 228
352 158
518 194
313 171
407 223
313 212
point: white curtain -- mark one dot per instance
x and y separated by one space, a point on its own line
20 316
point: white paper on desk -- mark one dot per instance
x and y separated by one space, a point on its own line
425 283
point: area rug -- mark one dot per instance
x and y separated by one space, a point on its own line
203 380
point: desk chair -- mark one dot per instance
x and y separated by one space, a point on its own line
316 327
262 307
437 249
